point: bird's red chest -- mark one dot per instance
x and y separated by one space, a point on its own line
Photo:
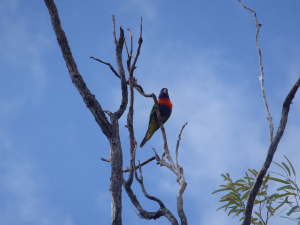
165 101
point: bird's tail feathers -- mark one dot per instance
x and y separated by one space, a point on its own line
144 141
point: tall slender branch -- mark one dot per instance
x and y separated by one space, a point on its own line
110 66
272 149
114 29
138 50
177 146
124 100
133 144
273 143
262 77
75 76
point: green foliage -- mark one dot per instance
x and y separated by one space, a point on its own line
265 205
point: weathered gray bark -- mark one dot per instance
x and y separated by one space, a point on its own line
273 142
272 149
111 130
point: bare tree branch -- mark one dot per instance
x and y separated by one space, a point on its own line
110 66
124 100
105 160
270 155
126 47
142 213
114 29
180 176
262 77
177 146
138 50
142 164
75 76
111 130
163 211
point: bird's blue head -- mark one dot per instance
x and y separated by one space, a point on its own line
163 93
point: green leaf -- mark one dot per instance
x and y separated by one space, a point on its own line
287 168
286 187
254 174
276 195
258 201
258 214
262 193
278 180
279 165
223 189
279 206
244 188
232 211
279 174
288 218
245 196
291 165
253 219
240 211
270 209
292 210
296 186
286 194
240 180
221 207
223 176
266 179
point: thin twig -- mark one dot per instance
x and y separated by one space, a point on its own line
114 31
131 43
262 77
105 160
141 28
126 47
142 164
138 50
177 146
110 66
156 155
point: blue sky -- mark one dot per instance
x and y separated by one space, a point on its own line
202 51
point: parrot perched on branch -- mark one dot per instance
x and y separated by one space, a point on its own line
165 108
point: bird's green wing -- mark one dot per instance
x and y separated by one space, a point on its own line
153 124
165 118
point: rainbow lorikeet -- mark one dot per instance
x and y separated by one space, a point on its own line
165 107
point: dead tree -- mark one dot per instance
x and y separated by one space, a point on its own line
273 141
111 129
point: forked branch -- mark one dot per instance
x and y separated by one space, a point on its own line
272 149
273 142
